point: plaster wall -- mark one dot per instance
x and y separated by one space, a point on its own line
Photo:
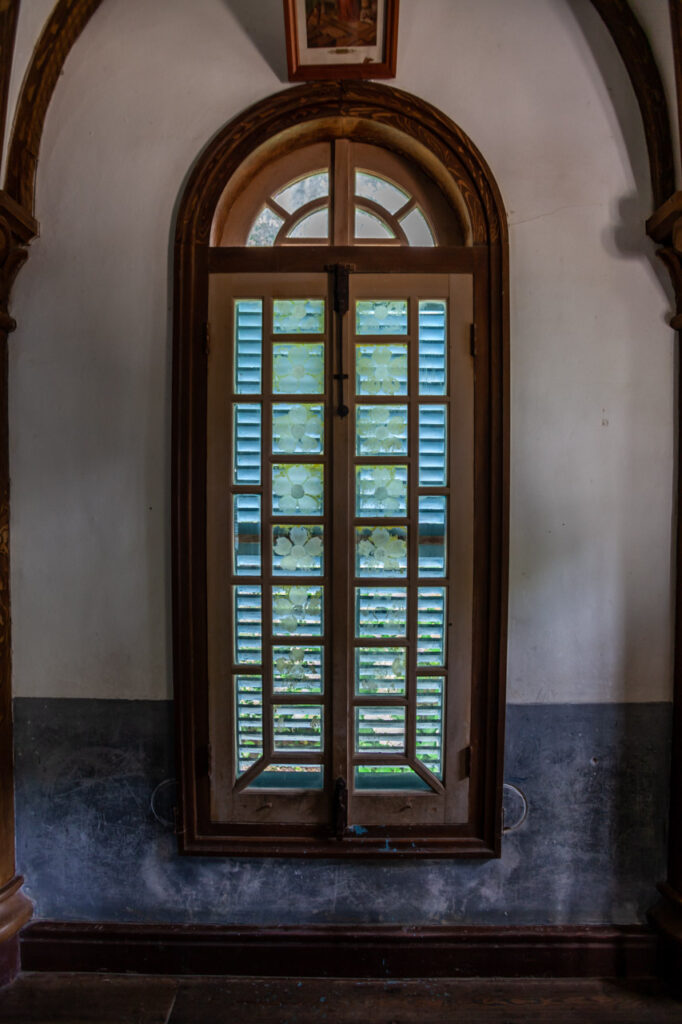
592 373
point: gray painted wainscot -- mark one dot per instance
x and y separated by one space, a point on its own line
95 839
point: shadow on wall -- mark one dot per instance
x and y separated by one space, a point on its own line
263 22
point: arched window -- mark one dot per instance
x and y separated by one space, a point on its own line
333 532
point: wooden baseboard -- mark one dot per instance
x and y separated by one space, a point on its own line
341 951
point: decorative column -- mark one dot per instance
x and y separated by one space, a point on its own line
665 227
16 229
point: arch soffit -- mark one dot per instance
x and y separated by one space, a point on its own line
70 17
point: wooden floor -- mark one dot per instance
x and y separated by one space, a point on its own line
133 999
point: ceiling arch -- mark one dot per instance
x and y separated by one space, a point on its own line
70 17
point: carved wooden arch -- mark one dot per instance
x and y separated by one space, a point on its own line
70 17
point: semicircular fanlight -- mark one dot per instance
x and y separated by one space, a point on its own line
416 228
380 191
264 228
298 193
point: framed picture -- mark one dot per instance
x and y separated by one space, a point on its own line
341 38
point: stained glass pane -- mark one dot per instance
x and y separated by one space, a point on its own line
297 611
431 626
247 444
432 516
297 369
248 691
247 516
297 428
314 186
297 727
289 776
432 445
432 336
371 186
381 430
381 316
430 718
265 227
381 490
416 228
380 612
381 369
380 671
248 626
297 550
381 551
368 225
298 316
388 776
315 225
297 669
380 730
297 490
248 319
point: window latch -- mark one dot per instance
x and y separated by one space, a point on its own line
341 272
340 807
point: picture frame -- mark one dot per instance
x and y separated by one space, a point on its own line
331 39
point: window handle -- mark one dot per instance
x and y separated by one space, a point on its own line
341 272
340 807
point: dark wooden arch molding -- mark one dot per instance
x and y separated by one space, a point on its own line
61 31
395 119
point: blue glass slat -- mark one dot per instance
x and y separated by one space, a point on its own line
430 719
248 625
432 516
432 446
247 518
248 693
247 444
248 318
432 347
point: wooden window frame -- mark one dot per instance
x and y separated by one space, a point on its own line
381 117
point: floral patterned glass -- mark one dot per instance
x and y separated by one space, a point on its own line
381 369
297 550
297 669
381 430
297 610
246 519
297 727
297 429
380 730
381 550
381 316
381 490
248 319
298 316
248 625
297 490
431 626
297 369
305 190
247 444
380 671
248 691
380 612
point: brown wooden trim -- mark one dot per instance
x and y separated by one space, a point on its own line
9 13
10 957
63 27
635 50
366 259
343 951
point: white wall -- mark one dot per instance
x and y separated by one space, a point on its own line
592 372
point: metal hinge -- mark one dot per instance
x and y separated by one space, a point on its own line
472 339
